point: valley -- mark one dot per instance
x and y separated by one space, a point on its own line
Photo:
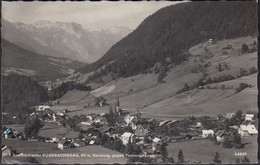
181 88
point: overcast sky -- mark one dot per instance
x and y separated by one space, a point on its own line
90 15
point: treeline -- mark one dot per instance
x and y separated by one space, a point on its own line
170 32
225 77
58 92
20 93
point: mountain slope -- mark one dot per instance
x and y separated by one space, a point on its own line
21 60
61 39
169 33
163 101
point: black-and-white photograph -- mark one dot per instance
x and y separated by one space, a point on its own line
147 82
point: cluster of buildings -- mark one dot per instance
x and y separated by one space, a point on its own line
149 134
246 128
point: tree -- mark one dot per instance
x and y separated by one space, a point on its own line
117 102
164 152
239 115
217 158
110 117
32 128
186 87
237 161
219 67
245 160
180 156
244 48
237 141
161 74
171 160
227 143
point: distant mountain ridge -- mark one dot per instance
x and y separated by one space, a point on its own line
171 31
62 39
18 59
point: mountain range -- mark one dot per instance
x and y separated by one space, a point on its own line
62 39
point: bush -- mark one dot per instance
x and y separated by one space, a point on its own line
245 48
242 86
227 143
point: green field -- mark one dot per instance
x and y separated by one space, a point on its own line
22 146
204 151
53 130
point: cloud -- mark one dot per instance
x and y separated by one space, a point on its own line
89 14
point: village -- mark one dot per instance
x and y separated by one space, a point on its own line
117 130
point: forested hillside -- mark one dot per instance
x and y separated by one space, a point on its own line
20 93
168 33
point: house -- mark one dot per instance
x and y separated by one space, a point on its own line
230 115
65 111
8 133
157 147
246 130
89 118
141 131
127 138
64 144
130 119
207 133
55 139
78 143
85 123
6 151
101 120
42 107
164 122
249 117
156 140
109 131
93 132
60 114
133 126
91 142
147 149
220 135
198 124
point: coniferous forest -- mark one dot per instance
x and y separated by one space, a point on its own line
20 93
171 31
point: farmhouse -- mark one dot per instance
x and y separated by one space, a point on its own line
147 149
156 140
220 135
141 131
6 151
207 133
130 119
249 117
157 147
127 138
78 143
246 130
9 133
230 115
64 144
101 120
42 107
